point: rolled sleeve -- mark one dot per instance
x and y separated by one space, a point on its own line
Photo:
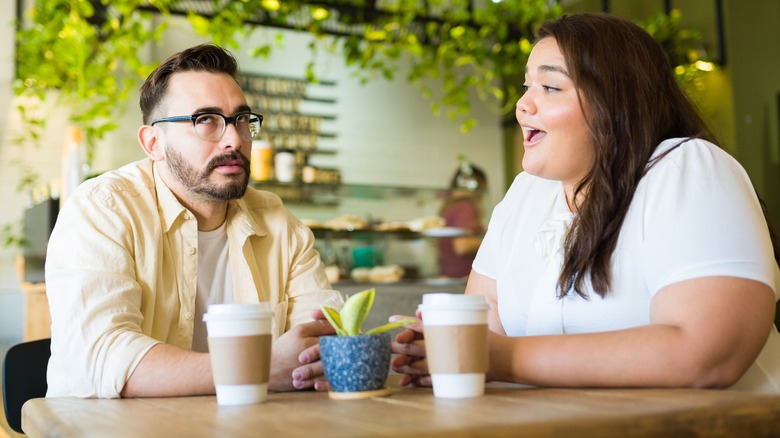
95 302
308 286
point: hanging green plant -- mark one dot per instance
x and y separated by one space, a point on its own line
84 54
467 52
79 57
685 49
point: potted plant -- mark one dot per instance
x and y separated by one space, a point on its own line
356 363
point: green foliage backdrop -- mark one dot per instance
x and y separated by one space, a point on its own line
88 53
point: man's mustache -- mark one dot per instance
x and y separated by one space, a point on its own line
226 158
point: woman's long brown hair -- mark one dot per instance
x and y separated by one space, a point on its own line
634 103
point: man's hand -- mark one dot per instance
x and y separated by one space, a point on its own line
299 346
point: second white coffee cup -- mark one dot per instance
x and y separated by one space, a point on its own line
239 337
455 328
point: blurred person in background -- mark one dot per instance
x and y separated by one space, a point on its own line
463 208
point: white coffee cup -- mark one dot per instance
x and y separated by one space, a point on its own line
456 343
239 337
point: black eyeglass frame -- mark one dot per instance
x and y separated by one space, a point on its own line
227 120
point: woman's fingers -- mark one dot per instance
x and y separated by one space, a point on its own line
415 380
413 348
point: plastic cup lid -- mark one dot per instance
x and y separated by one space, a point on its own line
238 310
454 301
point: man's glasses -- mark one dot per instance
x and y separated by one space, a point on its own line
212 126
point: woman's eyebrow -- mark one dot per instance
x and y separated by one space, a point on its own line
544 68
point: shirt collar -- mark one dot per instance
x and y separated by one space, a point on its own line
170 208
244 223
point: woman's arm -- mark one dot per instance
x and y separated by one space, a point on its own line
704 332
480 285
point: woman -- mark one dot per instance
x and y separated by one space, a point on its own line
632 251
462 208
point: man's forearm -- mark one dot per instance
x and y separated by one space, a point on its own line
167 371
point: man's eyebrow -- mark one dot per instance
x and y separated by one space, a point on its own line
207 109
213 109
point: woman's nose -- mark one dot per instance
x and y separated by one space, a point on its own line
525 104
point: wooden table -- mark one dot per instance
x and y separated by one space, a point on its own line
414 412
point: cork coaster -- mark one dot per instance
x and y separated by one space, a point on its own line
359 395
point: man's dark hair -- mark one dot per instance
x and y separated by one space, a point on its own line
204 57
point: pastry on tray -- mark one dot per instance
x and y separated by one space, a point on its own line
346 222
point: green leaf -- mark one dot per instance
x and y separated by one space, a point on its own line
355 310
391 325
200 24
333 317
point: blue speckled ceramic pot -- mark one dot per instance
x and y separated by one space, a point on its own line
356 363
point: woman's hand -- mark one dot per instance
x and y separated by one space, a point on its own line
410 361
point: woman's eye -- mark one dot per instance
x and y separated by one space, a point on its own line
546 88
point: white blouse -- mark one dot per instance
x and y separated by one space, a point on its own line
694 214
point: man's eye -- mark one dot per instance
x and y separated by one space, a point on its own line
206 119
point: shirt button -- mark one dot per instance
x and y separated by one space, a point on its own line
193 251
186 216
189 316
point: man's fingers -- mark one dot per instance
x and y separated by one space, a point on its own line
317 314
305 376
319 327
310 354
321 385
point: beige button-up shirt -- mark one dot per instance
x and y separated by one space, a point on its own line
122 269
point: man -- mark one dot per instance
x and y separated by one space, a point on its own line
138 253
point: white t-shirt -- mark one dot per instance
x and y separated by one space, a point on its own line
214 283
694 214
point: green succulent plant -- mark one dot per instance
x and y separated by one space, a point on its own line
349 319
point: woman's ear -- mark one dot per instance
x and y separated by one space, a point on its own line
150 142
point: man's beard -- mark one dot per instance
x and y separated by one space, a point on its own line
198 182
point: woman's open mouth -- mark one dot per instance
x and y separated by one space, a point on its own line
532 135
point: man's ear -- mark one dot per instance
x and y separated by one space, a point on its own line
150 142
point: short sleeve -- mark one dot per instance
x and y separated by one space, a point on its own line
486 261
702 218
